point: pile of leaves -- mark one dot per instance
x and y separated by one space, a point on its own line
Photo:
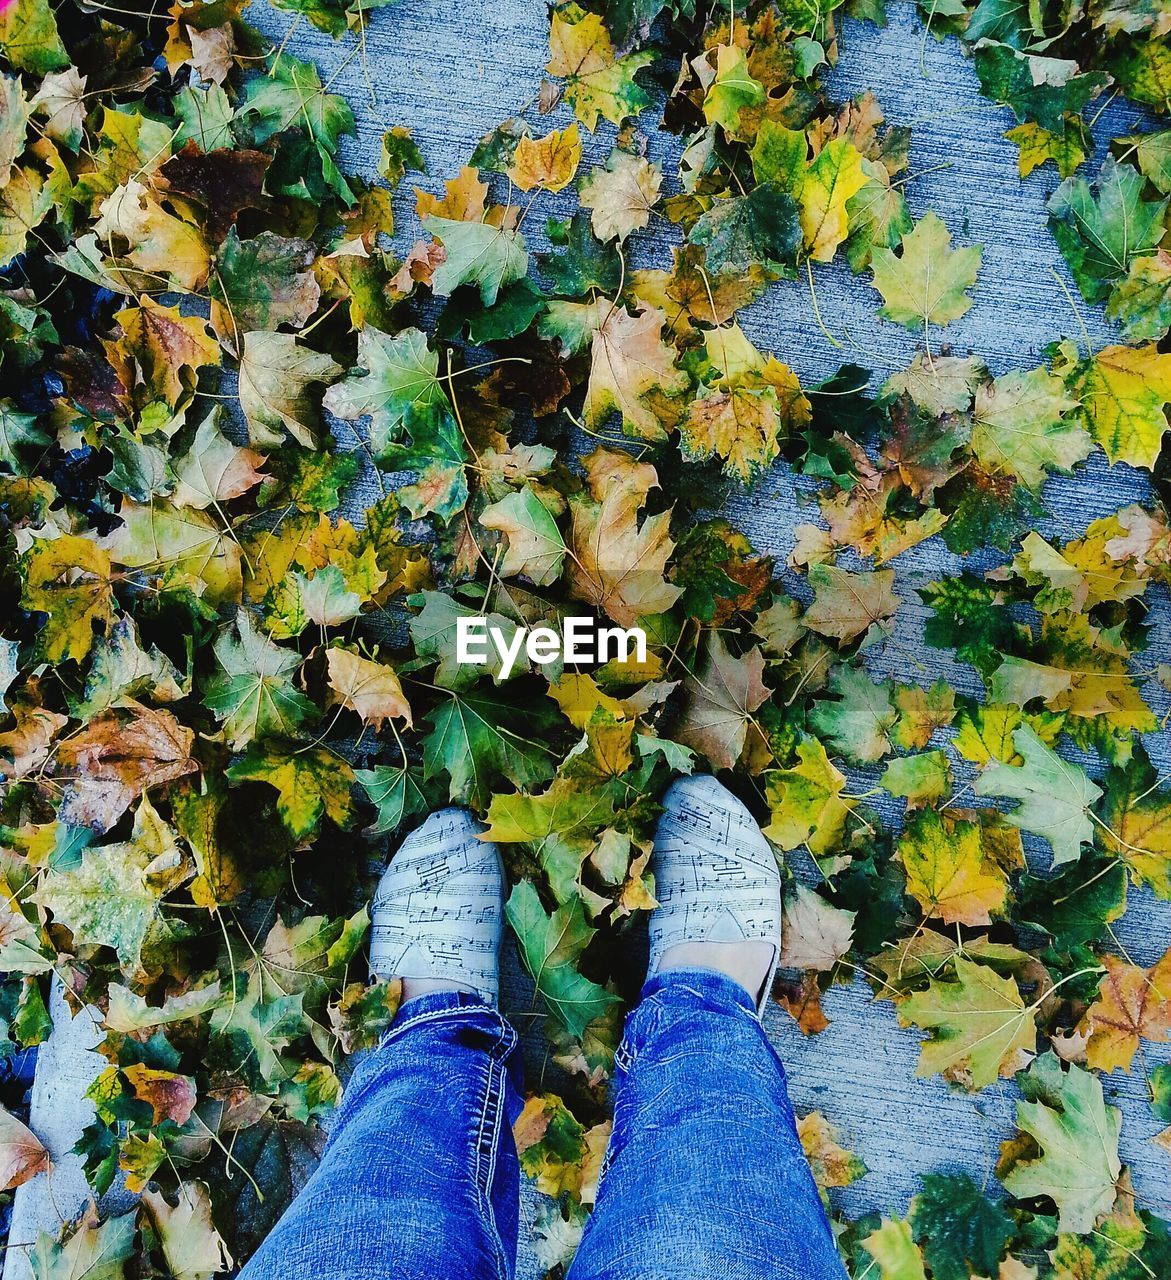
221 696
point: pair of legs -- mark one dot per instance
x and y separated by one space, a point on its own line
704 1175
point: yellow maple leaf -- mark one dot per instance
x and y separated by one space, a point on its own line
372 689
549 162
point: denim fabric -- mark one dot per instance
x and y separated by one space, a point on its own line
420 1179
704 1177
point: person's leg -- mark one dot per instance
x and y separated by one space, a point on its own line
420 1179
704 1175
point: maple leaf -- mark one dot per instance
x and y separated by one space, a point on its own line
479 739
831 1164
22 1154
193 1248
311 783
720 697
962 1231
30 39
859 721
621 195
806 801
926 283
157 241
97 1252
1133 1004
260 283
598 82
1142 302
181 548
550 947
1038 146
1019 425
740 426
617 564
159 352
949 872
253 695
476 253
982 1028
372 689
392 375
276 372
291 96
629 359
549 162
112 897
535 546
118 756
892 1246
214 470
1055 796
68 579
739 233
1138 814
1100 235
731 89
1076 1144
1124 392
829 183
847 604
814 934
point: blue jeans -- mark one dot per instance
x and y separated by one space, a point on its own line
704 1176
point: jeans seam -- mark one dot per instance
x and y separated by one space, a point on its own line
486 1143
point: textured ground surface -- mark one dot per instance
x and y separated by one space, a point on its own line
452 71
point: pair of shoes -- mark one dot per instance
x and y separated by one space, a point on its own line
438 912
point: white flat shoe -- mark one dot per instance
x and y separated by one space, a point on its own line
438 910
716 876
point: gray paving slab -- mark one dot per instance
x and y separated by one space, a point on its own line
451 72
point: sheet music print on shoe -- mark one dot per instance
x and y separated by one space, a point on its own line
437 912
716 877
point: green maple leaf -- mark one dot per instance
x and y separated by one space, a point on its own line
481 739
732 89
858 723
579 262
95 1252
254 695
206 118
291 96
310 783
982 1028
1019 426
742 232
1055 796
434 448
1076 906
1142 302
1046 90
249 1031
1077 1136
397 793
262 283
477 254
333 16
1100 234
1138 814
109 898
392 375
926 283
550 946
962 1231
18 431
29 37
